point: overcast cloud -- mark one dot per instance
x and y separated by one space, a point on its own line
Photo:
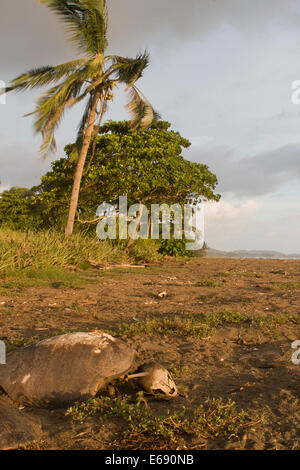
32 34
255 175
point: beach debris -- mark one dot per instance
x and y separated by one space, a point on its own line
163 294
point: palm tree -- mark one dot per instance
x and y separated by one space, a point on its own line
92 78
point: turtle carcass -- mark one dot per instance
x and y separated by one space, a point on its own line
65 369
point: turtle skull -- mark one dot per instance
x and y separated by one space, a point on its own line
157 380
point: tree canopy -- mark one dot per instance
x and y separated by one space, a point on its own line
147 166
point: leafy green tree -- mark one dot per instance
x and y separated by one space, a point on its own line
92 78
144 165
16 211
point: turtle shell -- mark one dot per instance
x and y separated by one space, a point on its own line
61 370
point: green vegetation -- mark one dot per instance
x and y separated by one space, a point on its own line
252 275
283 286
49 249
198 326
146 166
41 257
270 324
53 277
146 251
225 317
178 371
175 248
208 283
147 430
178 326
203 325
12 344
17 211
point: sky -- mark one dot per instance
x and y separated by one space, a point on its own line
221 73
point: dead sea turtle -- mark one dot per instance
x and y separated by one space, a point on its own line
64 369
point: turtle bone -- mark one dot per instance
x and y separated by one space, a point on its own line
156 380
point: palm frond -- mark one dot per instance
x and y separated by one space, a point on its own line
46 75
85 20
95 25
50 110
71 82
52 105
129 70
142 112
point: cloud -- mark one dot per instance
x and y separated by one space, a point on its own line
228 224
166 22
29 34
254 175
252 225
34 35
227 213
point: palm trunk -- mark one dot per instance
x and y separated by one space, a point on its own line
79 169
97 128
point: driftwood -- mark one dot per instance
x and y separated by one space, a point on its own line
101 267
114 266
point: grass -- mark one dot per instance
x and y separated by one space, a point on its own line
178 371
146 251
146 430
20 342
39 259
203 325
198 326
252 275
280 287
270 324
52 277
224 318
48 252
209 283
46 249
166 327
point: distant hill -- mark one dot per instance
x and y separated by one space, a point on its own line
212 253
